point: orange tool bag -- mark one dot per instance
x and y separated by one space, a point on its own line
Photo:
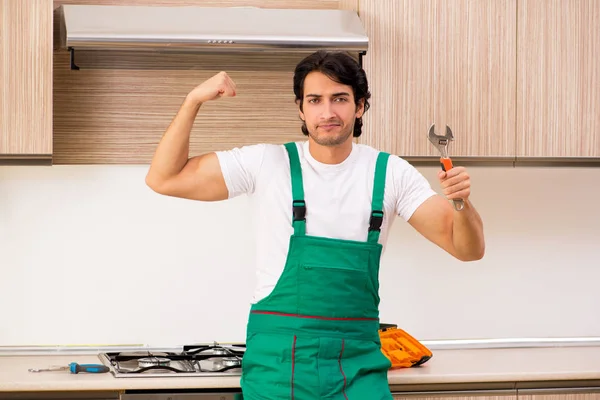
403 350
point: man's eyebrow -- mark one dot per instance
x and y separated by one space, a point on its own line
334 94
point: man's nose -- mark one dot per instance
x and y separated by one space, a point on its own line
328 112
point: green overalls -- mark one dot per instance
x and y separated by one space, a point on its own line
315 336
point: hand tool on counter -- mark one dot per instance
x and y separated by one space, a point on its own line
441 143
402 349
75 368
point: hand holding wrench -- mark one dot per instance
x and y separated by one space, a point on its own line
441 143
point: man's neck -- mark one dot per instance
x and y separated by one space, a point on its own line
330 154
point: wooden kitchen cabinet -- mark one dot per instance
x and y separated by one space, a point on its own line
26 79
592 393
109 115
443 62
570 396
60 395
456 396
558 101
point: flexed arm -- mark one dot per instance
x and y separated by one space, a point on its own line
172 172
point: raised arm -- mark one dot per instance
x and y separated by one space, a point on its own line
172 172
460 233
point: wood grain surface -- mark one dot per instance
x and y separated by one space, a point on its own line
26 77
444 63
558 102
117 112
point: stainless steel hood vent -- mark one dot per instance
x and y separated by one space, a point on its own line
209 29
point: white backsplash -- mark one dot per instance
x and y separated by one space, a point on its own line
90 255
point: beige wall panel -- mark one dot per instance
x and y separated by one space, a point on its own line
558 78
442 62
25 77
118 115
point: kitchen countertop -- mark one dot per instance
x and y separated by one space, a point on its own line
456 366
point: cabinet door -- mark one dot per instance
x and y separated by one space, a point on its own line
443 62
26 79
592 393
558 101
570 396
454 396
58 395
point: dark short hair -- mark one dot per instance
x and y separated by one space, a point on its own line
340 67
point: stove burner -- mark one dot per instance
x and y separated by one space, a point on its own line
193 360
231 362
153 362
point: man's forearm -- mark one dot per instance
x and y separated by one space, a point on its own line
173 150
467 233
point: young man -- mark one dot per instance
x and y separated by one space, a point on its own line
313 325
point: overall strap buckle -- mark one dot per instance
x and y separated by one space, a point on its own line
299 210
376 220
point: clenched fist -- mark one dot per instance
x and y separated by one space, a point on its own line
456 183
220 85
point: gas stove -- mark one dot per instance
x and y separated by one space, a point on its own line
193 360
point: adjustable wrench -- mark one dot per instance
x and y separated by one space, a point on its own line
441 143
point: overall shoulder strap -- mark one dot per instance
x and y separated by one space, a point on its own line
298 204
377 202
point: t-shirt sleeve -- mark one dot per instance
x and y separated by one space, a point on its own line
240 167
411 187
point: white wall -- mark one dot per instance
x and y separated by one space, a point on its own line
90 255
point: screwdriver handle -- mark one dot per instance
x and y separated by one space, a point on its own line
89 368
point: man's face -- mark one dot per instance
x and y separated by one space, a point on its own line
329 110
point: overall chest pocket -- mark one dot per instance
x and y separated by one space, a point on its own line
335 290
319 267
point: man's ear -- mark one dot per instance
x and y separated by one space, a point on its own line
360 108
300 113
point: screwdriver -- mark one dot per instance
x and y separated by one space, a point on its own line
75 368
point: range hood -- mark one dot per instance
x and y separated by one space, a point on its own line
209 29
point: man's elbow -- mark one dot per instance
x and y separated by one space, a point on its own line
155 184
474 255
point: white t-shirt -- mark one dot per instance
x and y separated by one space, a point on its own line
338 198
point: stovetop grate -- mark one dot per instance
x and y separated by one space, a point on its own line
193 360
